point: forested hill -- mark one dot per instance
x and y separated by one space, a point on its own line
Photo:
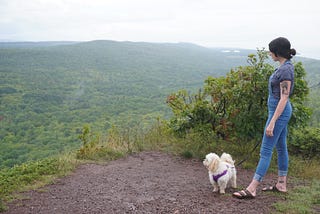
49 90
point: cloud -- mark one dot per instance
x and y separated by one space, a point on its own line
243 24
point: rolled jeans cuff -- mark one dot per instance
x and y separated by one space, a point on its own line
257 177
282 173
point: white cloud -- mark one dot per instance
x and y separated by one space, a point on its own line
243 23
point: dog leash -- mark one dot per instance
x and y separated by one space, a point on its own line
246 158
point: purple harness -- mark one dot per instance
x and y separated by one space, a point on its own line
216 177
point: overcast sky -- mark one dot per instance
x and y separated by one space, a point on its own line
212 23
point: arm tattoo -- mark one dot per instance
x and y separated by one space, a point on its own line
284 88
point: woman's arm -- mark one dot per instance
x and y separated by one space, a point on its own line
284 96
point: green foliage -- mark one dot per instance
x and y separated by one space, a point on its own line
187 154
313 77
94 148
84 136
48 92
26 174
305 142
98 153
120 140
301 113
235 106
303 168
2 206
242 99
190 111
314 104
19 177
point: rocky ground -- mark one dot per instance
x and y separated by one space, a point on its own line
148 182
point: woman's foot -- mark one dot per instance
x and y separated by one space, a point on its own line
275 188
244 194
281 185
249 192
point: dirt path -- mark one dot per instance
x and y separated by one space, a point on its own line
149 182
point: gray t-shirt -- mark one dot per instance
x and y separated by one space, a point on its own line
284 72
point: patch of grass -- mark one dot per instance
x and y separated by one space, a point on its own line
302 199
2 206
95 148
187 154
99 153
32 175
305 169
305 197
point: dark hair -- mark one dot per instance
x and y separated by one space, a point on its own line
282 47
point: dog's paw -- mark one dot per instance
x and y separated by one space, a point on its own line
215 190
222 191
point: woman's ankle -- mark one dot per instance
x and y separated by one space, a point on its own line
282 183
253 186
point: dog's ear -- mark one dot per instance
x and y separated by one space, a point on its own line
205 162
213 165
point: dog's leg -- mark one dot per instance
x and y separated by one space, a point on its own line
215 187
222 186
234 181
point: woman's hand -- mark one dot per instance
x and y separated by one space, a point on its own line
269 129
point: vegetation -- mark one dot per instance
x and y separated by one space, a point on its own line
47 93
102 100
303 199
235 106
33 174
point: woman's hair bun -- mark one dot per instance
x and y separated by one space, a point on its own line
293 51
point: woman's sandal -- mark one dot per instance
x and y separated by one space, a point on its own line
272 189
243 194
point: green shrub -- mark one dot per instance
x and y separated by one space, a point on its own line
21 177
305 142
26 174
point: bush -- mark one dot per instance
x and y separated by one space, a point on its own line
305 142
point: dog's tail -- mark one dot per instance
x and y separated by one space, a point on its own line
227 158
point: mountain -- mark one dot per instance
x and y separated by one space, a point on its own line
33 44
50 90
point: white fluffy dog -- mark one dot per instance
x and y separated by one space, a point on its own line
222 171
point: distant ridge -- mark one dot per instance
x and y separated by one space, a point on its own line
26 44
16 44
193 46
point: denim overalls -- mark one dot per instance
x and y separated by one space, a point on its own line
279 138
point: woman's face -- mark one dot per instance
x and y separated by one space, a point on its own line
273 56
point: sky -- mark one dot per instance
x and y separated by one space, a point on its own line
249 24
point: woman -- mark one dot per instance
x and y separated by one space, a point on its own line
281 84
